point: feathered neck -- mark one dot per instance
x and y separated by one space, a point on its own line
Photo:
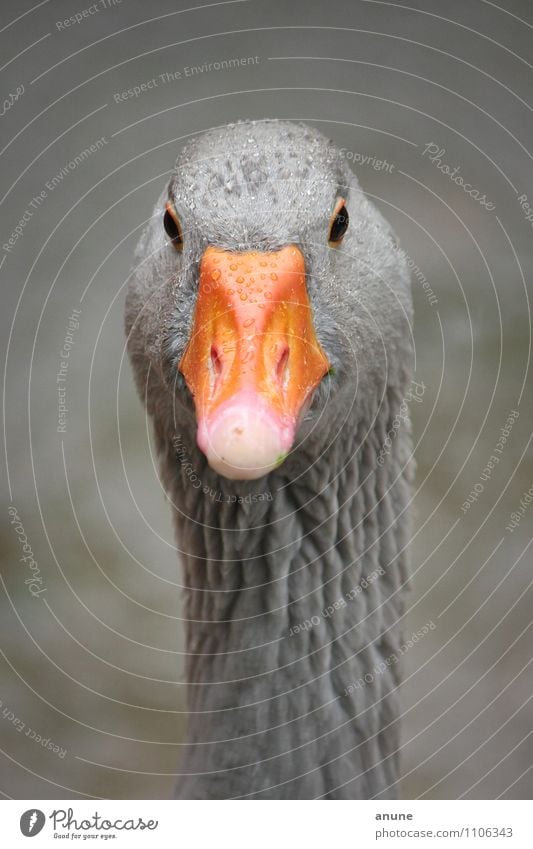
293 595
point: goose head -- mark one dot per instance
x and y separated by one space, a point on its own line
269 296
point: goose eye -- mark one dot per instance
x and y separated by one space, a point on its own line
172 225
338 224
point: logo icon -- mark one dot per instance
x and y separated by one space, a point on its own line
31 822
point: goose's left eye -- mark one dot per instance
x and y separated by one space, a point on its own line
172 225
338 223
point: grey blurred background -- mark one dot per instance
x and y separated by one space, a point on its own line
94 663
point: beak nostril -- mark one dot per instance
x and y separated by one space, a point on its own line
282 368
215 366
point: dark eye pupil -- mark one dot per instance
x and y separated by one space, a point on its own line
339 225
171 228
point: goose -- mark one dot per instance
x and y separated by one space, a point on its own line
268 322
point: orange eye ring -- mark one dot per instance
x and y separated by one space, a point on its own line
338 223
172 225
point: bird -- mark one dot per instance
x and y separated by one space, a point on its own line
269 327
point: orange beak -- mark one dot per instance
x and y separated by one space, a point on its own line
253 359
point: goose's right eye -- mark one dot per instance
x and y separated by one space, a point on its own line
172 225
338 224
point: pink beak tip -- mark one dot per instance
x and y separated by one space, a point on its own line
243 439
